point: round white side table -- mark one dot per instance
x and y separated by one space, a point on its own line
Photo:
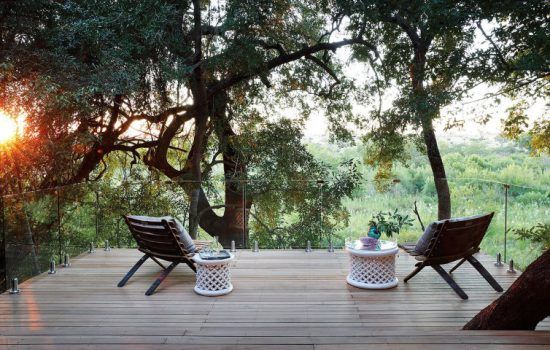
372 269
213 276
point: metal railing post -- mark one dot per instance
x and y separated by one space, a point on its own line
320 184
14 288
3 264
506 187
66 261
59 238
499 260
245 218
96 216
511 267
52 267
308 247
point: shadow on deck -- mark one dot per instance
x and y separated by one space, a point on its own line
281 300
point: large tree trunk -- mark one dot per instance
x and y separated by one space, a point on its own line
523 305
438 171
233 224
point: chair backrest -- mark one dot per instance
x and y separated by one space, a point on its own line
455 238
157 237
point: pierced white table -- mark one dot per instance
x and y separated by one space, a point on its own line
213 276
372 269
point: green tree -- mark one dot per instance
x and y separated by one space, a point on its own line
178 71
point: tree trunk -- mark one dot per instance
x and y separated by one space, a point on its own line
438 171
232 225
426 114
523 305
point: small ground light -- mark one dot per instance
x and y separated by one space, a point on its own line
256 249
91 249
233 246
107 246
308 247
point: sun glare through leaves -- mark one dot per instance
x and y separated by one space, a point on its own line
8 128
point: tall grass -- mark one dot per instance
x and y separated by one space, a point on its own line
476 176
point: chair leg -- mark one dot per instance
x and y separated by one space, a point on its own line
191 265
477 265
412 274
161 278
450 281
133 270
458 265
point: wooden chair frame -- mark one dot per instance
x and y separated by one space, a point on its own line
158 240
454 240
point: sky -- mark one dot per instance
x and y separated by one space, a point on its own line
469 110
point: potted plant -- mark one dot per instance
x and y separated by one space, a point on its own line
388 223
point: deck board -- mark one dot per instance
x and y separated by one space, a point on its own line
282 300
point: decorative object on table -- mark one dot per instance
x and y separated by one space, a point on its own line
213 255
451 240
388 223
213 275
372 269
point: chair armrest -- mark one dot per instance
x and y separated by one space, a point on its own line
408 247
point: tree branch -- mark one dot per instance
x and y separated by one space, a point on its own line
497 50
286 58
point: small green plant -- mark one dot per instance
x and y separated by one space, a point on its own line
539 234
390 223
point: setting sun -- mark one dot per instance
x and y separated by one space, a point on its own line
8 128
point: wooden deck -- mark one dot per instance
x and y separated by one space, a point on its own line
282 300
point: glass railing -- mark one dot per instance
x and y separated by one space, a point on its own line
46 225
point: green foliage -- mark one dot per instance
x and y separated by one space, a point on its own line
538 234
515 122
390 223
476 172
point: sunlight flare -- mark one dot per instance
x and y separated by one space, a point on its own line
8 127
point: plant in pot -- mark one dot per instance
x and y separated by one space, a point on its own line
388 223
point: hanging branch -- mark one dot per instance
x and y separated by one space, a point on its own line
418 216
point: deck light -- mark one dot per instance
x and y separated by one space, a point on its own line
256 249
107 246
91 249
308 248
233 247
330 247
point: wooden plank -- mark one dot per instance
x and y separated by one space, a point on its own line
282 300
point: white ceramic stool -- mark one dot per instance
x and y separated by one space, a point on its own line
213 276
372 269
